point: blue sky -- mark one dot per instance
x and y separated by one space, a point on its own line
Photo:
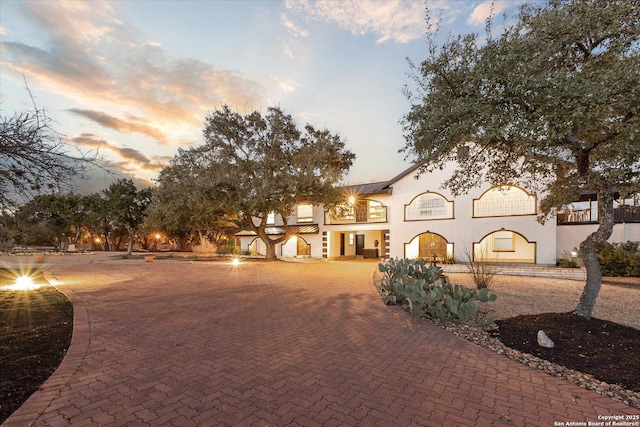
137 78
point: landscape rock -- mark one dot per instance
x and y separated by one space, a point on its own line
544 340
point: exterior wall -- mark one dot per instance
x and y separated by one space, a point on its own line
289 247
464 233
462 230
570 236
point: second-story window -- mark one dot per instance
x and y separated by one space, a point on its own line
304 213
504 200
428 206
271 218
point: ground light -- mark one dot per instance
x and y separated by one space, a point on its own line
235 262
22 283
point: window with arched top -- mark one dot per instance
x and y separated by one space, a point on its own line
504 200
504 246
427 206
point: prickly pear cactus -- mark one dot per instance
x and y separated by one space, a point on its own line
428 293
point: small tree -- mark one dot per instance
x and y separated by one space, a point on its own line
260 165
552 105
127 206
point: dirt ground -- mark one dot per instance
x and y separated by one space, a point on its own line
36 328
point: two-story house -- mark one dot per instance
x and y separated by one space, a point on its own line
411 216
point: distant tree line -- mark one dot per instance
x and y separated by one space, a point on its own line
118 218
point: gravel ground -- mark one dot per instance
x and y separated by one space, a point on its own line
533 295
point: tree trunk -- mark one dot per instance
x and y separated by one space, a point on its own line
270 247
260 230
131 235
588 250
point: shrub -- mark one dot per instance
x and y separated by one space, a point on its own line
429 293
481 270
567 263
228 249
620 259
205 247
449 259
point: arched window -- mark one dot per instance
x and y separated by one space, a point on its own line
504 200
504 246
428 206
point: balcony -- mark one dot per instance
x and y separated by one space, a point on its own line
623 213
361 214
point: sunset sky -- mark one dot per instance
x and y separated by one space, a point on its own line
137 78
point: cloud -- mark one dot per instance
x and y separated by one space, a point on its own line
132 160
131 126
486 9
399 21
88 53
284 86
293 28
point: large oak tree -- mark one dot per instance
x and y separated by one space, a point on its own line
551 104
259 165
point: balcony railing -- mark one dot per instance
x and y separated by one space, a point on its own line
359 216
621 214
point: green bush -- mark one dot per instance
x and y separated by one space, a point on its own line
228 249
567 263
429 293
449 259
620 259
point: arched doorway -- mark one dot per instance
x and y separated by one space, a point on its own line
428 244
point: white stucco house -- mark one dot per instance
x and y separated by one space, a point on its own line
411 216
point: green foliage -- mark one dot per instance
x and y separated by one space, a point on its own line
620 259
429 293
249 167
126 206
52 219
551 104
228 249
567 263
259 165
449 259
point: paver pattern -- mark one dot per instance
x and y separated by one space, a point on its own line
276 344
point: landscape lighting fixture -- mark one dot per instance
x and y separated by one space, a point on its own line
23 283
235 262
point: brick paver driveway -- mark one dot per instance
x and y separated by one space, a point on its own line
277 344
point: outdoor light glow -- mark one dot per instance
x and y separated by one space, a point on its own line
235 262
352 199
23 283
157 236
